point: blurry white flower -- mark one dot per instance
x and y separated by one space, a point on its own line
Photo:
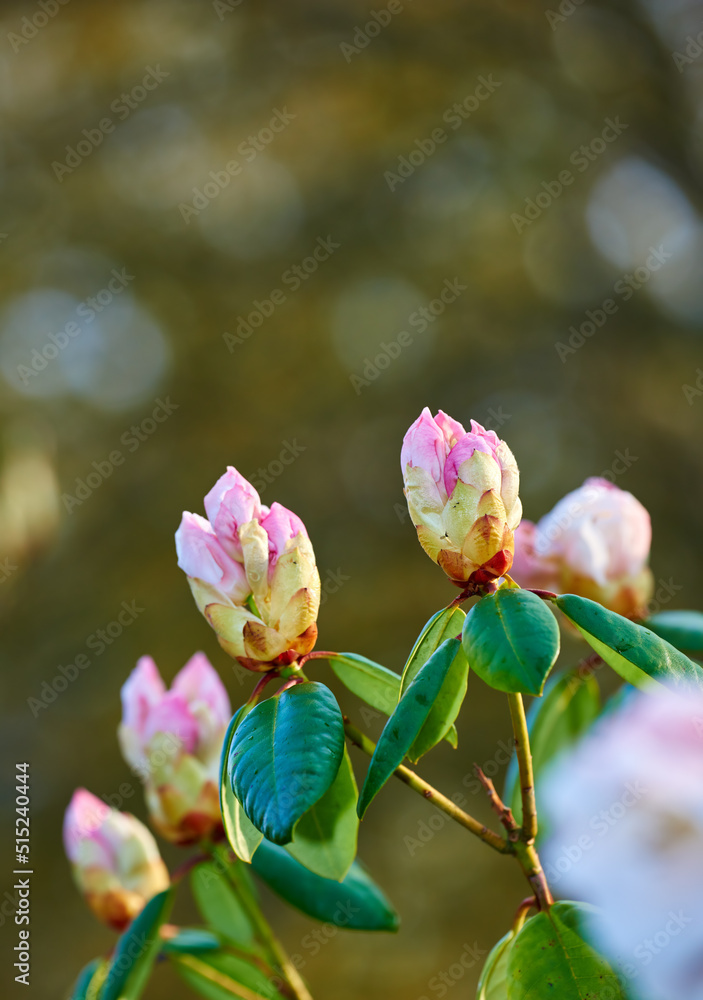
625 810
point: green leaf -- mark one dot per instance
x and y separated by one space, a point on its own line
222 976
356 903
219 904
324 839
445 708
242 835
550 957
512 641
639 656
285 755
407 720
445 624
136 951
569 706
683 629
90 979
192 941
493 984
374 684
452 737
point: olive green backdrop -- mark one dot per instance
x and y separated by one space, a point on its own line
137 139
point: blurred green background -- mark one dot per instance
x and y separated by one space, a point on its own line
95 171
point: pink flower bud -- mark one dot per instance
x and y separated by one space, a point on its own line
462 492
173 740
252 572
231 503
595 543
625 811
203 558
115 860
285 532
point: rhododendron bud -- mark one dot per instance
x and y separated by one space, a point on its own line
212 573
462 492
252 572
173 740
626 834
115 860
595 543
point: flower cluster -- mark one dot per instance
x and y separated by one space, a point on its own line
253 575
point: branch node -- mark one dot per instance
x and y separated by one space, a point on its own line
419 785
505 814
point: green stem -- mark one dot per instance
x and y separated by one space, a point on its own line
504 813
427 791
258 691
472 590
522 911
318 654
524 851
524 757
187 866
273 946
531 866
525 847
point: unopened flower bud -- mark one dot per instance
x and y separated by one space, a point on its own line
594 543
462 493
253 575
173 740
115 860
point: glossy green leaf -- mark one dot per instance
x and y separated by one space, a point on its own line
639 656
493 984
221 976
445 624
192 941
356 903
324 839
445 708
569 706
242 835
550 957
512 641
374 684
407 720
285 755
683 629
219 905
90 979
136 951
